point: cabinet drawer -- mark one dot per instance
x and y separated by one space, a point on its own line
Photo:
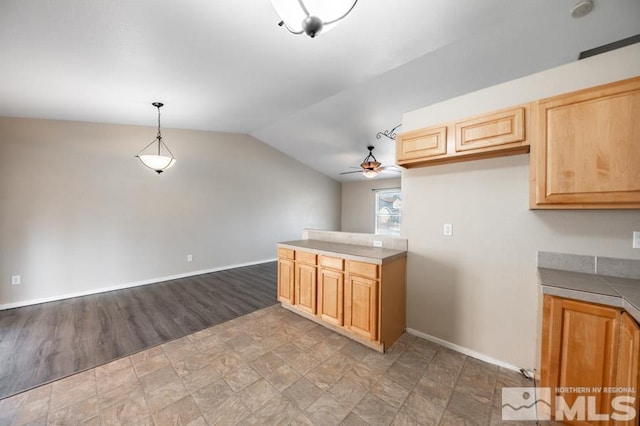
332 262
305 257
421 143
284 253
494 129
360 268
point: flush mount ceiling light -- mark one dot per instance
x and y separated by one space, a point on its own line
582 8
160 158
311 16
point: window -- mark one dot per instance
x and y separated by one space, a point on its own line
388 211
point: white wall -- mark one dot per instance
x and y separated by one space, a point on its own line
478 288
79 213
359 203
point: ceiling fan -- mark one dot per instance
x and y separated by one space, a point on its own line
370 167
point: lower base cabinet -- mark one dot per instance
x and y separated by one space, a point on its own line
286 274
361 306
363 301
331 296
588 350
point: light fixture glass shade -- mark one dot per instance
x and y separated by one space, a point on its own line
370 174
329 12
159 163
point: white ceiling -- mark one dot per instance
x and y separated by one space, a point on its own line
225 65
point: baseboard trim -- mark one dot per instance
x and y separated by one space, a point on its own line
5 306
462 349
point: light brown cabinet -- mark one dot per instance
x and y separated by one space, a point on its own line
586 152
331 290
286 276
488 135
305 282
363 301
629 354
421 144
587 346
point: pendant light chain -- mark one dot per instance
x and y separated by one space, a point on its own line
159 134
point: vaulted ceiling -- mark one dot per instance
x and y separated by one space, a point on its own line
225 65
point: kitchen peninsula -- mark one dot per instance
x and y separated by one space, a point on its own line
343 282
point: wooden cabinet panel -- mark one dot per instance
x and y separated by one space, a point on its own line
304 257
629 357
331 295
500 128
284 253
579 349
421 143
305 289
286 281
586 153
361 306
332 262
360 268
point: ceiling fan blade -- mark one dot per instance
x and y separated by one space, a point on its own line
346 173
390 171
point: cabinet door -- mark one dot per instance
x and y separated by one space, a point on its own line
361 306
422 143
586 150
285 281
305 292
579 349
490 130
331 296
628 360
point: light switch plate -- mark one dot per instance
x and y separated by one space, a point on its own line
636 239
377 243
447 229
15 279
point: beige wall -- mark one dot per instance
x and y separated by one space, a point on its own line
358 203
79 213
478 288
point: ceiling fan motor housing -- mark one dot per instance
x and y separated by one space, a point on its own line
370 165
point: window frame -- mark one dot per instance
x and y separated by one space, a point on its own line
377 193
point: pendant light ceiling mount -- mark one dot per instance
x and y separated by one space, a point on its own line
161 158
297 18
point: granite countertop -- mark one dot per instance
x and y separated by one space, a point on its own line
377 255
607 290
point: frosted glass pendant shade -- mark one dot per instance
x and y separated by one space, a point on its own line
159 163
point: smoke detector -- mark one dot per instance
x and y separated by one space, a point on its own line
582 8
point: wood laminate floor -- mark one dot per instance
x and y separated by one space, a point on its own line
49 341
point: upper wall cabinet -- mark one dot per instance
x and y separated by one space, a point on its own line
488 135
586 149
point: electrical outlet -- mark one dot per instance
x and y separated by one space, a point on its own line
189 258
447 229
636 239
15 279
377 243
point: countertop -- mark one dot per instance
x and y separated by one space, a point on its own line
612 291
377 255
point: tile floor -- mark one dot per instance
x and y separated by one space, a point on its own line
272 367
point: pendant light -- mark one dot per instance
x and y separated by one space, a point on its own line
160 158
313 17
